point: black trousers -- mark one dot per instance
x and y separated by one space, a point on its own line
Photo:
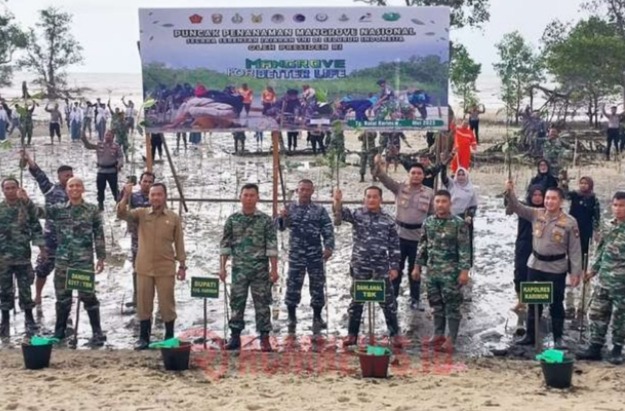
408 251
556 308
101 180
474 125
157 144
317 140
55 128
613 138
292 139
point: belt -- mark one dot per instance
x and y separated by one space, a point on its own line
548 258
408 226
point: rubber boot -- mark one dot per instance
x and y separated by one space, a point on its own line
234 343
439 331
265 344
98 338
353 327
133 303
454 328
169 329
145 329
592 353
100 207
29 322
318 323
292 324
5 326
558 332
362 178
60 327
616 356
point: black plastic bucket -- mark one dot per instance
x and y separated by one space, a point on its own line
558 375
36 357
177 359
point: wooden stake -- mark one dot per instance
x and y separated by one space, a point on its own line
275 137
148 153
183 202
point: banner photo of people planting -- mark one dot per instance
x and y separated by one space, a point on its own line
263 69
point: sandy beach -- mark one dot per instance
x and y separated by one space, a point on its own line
125 380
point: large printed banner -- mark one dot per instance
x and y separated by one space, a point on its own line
266 69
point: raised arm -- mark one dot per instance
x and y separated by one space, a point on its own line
516 207
87 144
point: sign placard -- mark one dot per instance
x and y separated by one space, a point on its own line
203 287
369 291
80 280
298 68
536 292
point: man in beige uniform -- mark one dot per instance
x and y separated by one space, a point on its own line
413 202
556 250
161 243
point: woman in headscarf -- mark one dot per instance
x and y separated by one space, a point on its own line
463 198
523 245
586 210
544 178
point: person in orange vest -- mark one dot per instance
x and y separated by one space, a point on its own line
247 94
464 143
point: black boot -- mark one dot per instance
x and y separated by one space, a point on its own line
5 326
318 323
353 327
29 322
101 207
362 178
265 343
145 329
592 353
558 332
440 323
98 338
234 343
62 315
616 356
292 324
169 330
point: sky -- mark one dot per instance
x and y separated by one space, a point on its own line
109 29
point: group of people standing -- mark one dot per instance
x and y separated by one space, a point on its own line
551 244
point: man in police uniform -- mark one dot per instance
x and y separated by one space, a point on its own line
413 202
556 250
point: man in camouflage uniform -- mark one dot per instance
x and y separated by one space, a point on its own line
553 151
250 238
19 226
309 223
608 298
138 199
375 256
80 231
556 251
54 194
413 203
27 123
367 153
445 250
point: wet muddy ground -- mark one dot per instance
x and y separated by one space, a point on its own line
208 171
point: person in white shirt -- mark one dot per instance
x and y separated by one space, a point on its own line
613 133
67 111
101 117
16 121
75 120
4 122
88 114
